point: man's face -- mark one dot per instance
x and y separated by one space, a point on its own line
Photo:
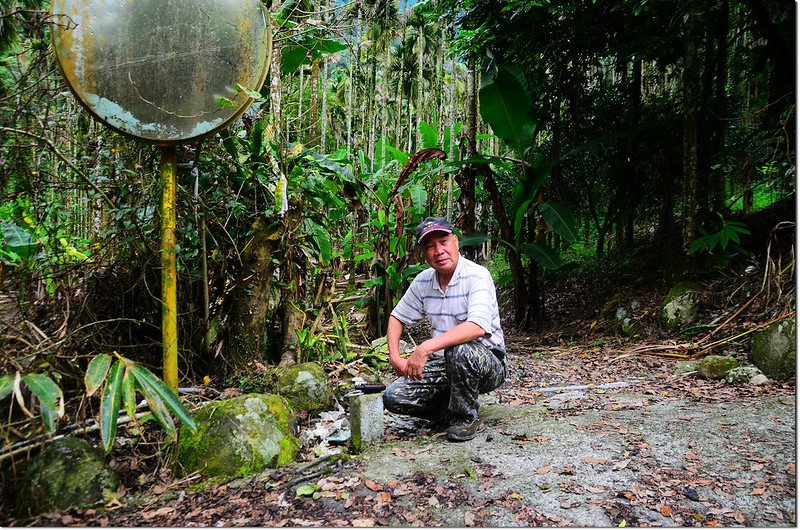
441 251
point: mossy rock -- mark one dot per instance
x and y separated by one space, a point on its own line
742 374
679 306
305 386
716 366
774 350
67 473
238 437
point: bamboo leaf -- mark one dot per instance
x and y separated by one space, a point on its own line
48 393
96 372
129 394
6 385
18 395
109 405
49 416
560 218
154 386
159 410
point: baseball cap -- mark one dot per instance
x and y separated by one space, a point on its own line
433 224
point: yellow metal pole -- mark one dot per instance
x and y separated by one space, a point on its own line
169 293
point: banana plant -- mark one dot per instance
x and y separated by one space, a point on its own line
506 105
48 394
119 382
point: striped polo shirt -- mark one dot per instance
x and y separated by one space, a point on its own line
470 296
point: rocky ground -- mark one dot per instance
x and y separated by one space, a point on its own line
561 447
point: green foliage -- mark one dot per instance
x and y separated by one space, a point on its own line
310 345
48 395
507 107
42 248
120 382
727 235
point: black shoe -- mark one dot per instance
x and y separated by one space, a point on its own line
464 430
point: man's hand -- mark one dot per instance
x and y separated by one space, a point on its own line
399 364
416 361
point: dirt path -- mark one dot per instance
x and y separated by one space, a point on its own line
657 450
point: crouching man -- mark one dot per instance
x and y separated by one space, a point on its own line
465 356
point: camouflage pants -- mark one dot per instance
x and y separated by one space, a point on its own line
450 384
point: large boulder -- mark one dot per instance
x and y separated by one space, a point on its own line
305 386
68 472
239 436
774 350
679 307
716 366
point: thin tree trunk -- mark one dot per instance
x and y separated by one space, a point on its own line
690 124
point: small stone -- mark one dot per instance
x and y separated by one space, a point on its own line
366 420
741 374
716 366
759 380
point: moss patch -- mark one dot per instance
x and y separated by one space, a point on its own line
67 473
680 306
305 386
239 436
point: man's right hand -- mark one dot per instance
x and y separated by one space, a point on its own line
399 364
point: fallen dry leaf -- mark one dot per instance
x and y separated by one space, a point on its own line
543 471
666 511
469 519
691 456
621 465
594 460
374 486
363 523
758 491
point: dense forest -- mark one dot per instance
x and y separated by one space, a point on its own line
559 137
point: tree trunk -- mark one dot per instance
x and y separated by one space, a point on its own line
465 219
690 124
247 338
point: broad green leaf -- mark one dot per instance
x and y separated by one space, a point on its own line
419 196
328 46
560 218
6 385
292 57
129 394
109 405
96 372
397 154
429 136
321 239
17 238
544 255
473 240
525 191
49 417
306 491
505 105
47 391
153 385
